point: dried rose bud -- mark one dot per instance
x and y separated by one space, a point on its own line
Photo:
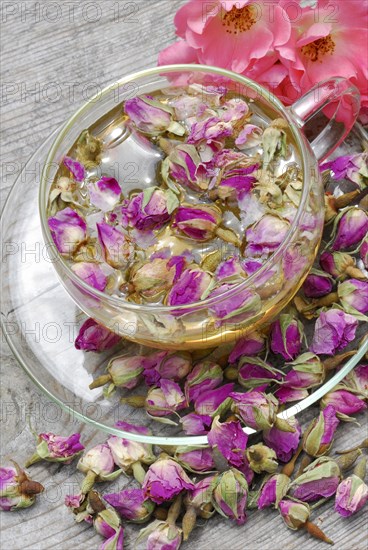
233 183
55 448
307 371
183 165
266 235
252 344
68 230
230 494
122 372
195 459
274 141
98 464
249 136
284 443
230 440
152 117
175 366
285 394
273 490
238 306
350 228
91 273
209 401
286 336
340 265
127 453
17 490
342 167
153 279
256 409
189 288
344 402
352 493
317 284
230 270
150 209
262 458
254 372
204 376
318 437
353 295
363 251
161 535
199 222
319 480
104 193
106 523
131 504
166 399
198 502
210 129
357 379
294 514
117 248
164 480
95 337
75 167
196 424
116 542
333 331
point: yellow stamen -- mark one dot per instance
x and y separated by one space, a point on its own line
239 20
319 48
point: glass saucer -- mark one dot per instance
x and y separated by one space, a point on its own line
40 323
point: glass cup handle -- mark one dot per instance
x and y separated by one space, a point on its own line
344 97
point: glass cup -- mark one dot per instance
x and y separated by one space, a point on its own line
270 288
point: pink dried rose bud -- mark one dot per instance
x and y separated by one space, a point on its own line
195 459
333 331
294 514
55 448
285 394
307 371
127 453
252 344
205 376
265 235
151 116
209 130
184 166
261 458
209 401
131 504
238 306
319 480
116 542
75 167
363 251
104 193
357 379
353 295
350 228
165 479
342 167
91 273
68 230
230 270
249 136
198 222
230 439
233 183
344 402
165 399
200 498
319 435
116 246
282 442
122 372
196 424
175 366
161 535
352 493
153 279
286 336
150 209
98 465
340 265
106 523
317 284
190 286
230 495
273 490
95 337
256 409
254 372
17 490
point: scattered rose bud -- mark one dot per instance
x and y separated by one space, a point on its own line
17 490
209 401
131 504
230 493
150 209
164 480
204 376
175 366
273 489
198 502
106 523
123 372
284 443
68 230
230 440
341 167
285 394
117 248
294 514
318 437
340 265
183 165
198 222
98 464
195 459
363 251
91 273
116 542
344 402
104 193
256 409
55 448
317 284
95 337
161 535
353 295
76 168
357 379
319 480
254 372
286 336
252 344
307 371
196 424
166 399
189 288
350 228
265 235
352 493
151 117
128 455
333 331
262 458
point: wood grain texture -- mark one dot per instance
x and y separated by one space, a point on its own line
54 56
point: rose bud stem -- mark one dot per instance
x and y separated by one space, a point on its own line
289 467
160 513
138 472
100 381
211 261
306 460
363 445
166 145
346 199
323 302
174 510
88 482
361 468
228 236
347 460
95 502
189 521
136 401
333 362
316 532
319 503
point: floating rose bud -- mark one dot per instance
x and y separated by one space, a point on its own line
238 306
117 248
286 336
254 372
261 458
55 448
340 265
76 168
131 504
294 514
161 535
95 337
285 394
196 424
249 136
350 228
284 443
189 288
252 344
233 183
183 165
319 480
199 222
68 230
257 410
274 141
209 401
230 440
230 494
204 376
317 284
122 372
307 371
150 209
151 116
210 129
333 331
98 464
17 490
104 193
318 437
195 459
153 279
352 493
91 273
230 270
166 399
343 402
265 235
353 295
273 490
164 480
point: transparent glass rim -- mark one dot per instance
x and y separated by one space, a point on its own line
239 287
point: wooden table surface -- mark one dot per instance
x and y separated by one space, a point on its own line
55 55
